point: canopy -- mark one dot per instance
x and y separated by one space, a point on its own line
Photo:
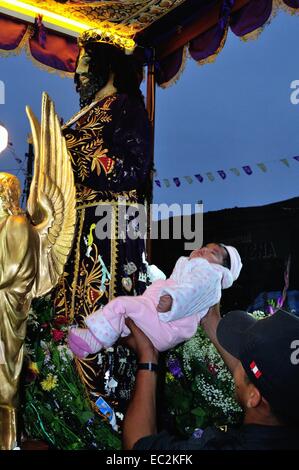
165 30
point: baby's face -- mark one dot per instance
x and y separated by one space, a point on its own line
212 252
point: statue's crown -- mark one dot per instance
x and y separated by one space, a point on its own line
109 34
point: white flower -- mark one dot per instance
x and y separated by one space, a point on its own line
217 389
65 353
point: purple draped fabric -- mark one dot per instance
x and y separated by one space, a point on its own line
208 43
167 69
47 47
251 17
11 33
57 51
292 3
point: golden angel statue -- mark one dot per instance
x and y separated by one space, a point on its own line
33 250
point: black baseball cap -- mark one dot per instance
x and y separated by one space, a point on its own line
268 350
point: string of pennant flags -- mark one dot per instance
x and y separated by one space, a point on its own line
222 174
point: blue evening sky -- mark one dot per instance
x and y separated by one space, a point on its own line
234 112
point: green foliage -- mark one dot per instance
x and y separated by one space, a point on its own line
56 408
199 390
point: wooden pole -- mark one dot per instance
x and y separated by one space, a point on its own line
151 107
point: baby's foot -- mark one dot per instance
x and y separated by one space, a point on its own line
76 350
83 339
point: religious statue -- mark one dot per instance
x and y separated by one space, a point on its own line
108 140
33 251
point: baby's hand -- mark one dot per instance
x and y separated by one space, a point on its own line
165 303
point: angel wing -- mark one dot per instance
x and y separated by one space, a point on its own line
51 203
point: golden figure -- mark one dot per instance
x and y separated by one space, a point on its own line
33 251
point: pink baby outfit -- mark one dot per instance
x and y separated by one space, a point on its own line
194 285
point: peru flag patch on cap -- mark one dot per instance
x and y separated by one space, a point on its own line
255 370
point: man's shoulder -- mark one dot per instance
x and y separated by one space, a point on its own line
213 438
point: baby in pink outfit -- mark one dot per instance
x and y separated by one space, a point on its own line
170 310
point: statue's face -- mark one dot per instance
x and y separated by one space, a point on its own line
83 67
88 82
10 192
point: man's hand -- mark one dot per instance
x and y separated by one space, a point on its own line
210 324
213 316
140 343
140 418
165 303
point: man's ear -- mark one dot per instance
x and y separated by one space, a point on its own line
254 397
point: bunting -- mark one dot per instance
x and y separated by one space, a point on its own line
262 167
188 179
199 178
235 171
247 169
211 176
222 174
285 161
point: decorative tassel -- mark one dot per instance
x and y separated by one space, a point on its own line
40 31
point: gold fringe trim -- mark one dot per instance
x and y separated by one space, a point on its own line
279 4
177 76
105 203
255 34
114 253
81 217
213 57
24 44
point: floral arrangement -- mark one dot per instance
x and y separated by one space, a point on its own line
199 388
55 406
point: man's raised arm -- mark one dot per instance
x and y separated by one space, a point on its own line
210 323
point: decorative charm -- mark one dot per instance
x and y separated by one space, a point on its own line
130 268
127 283
142 277
112 384
107 411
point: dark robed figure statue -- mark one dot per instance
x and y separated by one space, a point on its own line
108 141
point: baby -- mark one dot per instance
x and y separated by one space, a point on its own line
170 310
